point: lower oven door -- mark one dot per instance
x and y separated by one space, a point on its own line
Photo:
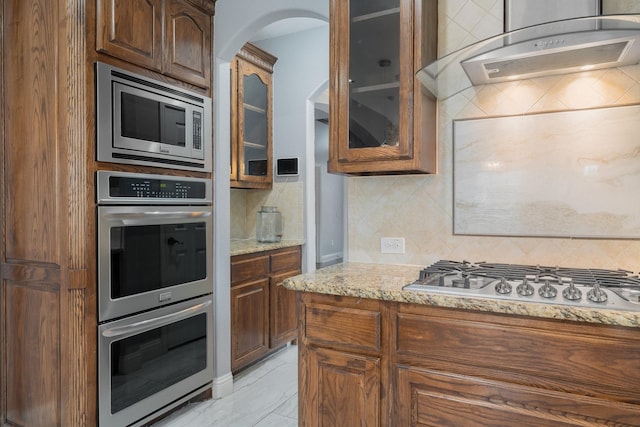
150 256
153 359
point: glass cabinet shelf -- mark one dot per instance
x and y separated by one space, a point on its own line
256 145
255 109
374 15
373 88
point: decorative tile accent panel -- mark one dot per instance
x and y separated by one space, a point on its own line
566 174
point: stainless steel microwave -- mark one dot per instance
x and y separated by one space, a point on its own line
148 122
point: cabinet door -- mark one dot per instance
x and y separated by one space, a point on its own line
249 322
436 399
283 310
131 30
254 125
374 78
378 110
342 389
188 43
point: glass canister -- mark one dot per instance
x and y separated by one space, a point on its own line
268 224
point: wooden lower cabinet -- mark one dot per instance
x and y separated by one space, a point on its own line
341 362
249 321
347 386
283 319
391 364
263 312
436 399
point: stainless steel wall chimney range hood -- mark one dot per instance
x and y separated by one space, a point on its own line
539 41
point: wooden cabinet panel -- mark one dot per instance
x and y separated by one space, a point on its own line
249 322
131 30
33 355
346 388
31 216
284 318
249 267
188 49
435 399
347 327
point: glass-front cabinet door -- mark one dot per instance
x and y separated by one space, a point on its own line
380 121
251 149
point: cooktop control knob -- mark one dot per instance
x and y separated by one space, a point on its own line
597 294
571 292
503 287
524 288
547 290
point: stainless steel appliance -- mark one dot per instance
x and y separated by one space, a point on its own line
153 361
610 289
149 122
154 241
155 303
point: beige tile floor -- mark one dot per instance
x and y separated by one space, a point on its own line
264 395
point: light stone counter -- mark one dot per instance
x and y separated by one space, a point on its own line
250 246
385 282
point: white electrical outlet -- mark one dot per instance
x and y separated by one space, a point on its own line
392 245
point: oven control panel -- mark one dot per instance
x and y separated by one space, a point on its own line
132 188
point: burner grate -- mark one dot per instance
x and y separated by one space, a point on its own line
579 276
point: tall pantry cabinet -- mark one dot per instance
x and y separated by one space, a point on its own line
47 206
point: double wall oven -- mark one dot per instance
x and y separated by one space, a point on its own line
155 300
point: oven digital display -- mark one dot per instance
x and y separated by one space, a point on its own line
122 187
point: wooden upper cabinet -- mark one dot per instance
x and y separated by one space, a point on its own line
381 122
252 118
188 43
131 30
173 37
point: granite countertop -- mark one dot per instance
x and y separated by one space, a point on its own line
250 246
385 282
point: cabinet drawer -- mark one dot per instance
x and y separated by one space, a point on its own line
548 352
347 327
288 259
247 268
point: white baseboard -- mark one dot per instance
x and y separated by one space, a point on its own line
222 386
330 257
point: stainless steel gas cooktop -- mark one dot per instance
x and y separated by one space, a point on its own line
611 289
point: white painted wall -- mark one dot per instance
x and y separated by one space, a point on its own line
329 202
235 22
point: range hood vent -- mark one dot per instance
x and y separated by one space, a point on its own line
559 47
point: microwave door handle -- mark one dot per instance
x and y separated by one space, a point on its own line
156 321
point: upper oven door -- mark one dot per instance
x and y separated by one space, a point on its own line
149 256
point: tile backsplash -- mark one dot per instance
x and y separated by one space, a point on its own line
286 196
419 208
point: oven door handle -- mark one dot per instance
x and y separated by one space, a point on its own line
142 218
156 321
